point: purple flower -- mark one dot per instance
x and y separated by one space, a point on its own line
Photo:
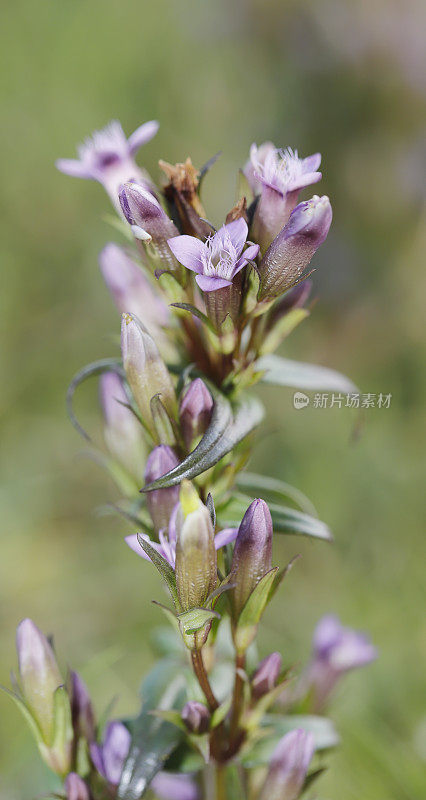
108 157
291 251
109 756
252 553
122 430
336 651
281 175
217 260
39 674
130 289
252 167
83 717
289 766
76 788
196 716
175 786
195 411
146 216
166 546
266 675
161 502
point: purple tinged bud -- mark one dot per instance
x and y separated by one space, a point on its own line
266 675
76 788
109 756
336 651
195 411
289 766
196 562
130 289
161 502
175 786
144 213
83 717
292 250
252 553
196 717
122 431
39 673
146 371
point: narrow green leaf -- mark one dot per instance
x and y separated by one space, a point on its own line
227 428
272 488
311 377
95 368
166 571
252 611
153 739
62 725
281 329
35 730
196 313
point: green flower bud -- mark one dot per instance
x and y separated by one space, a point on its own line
196 563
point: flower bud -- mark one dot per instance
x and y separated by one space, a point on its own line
146 371
252 553
196 564
161 502
148 220
123 433
266 675
130 289
196 717
289 766
175 786
292 250
44 700
109 756
83 717
76 788
195 411
39 673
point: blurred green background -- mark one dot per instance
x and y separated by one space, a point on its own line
342 78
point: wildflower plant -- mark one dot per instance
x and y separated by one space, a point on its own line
203 310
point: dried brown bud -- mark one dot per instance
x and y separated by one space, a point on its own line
239 211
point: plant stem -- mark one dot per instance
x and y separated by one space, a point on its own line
200 672
220 782
237 701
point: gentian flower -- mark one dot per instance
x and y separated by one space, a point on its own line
131 290
219 259
266 675
161 502
336 651
110 755
289 766
108 157
281 175
122 430
196 716
290 253
145 214
195 411
83 715
76 788
252 555
43 698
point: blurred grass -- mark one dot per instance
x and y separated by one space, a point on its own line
345 79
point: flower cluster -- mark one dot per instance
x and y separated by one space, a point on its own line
202 310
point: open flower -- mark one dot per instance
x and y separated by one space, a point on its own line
217 260
108 157
336 651
279 176
289 766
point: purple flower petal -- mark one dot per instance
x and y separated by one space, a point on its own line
188 250
115 749
142 135
304 180
225 536
311 163
250 253
133 543
73 167
211 284
96 756
237 231
174 786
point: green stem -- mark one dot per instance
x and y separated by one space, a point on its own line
237 702
220 782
